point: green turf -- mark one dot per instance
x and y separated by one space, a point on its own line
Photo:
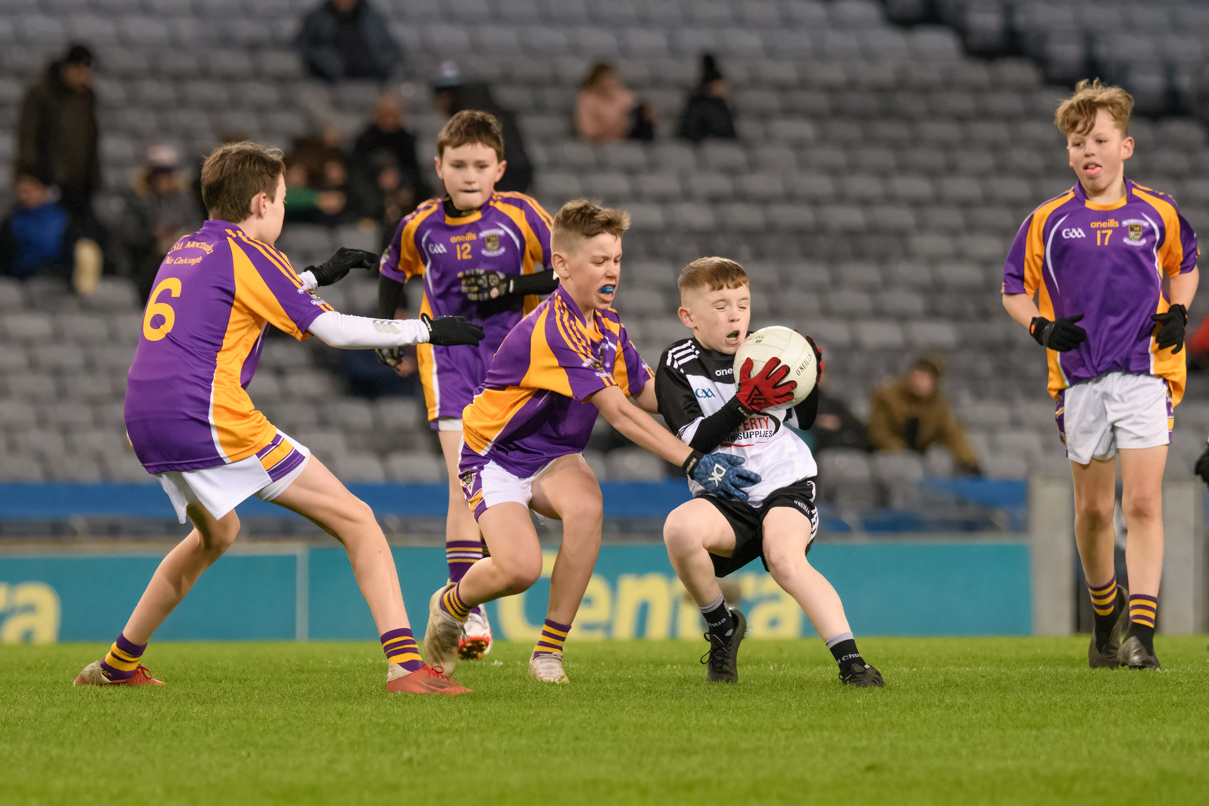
962 721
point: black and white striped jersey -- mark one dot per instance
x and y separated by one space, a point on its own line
692 383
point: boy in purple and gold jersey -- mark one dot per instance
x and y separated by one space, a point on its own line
1113 265
192 424
485 256
567 361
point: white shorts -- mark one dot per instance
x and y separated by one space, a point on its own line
1097 418
449 424
220 489
488 484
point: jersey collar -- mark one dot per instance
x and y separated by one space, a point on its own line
472 216
1081 195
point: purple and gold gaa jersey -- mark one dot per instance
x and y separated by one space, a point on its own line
533 406
509 234
203 329
1106 262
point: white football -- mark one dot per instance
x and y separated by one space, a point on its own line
793 350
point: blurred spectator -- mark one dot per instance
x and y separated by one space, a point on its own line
911 414
835 426
316 181
57 135
707 113
451 95
606 112
156 213
347 39
385 177
37 236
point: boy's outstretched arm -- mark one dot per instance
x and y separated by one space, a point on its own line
360 332
717 472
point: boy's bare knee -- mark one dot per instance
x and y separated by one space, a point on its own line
1094 514
521 573
679 536
220 536
1138 508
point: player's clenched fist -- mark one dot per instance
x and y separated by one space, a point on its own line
768 388
1063 335
447 331
1171 328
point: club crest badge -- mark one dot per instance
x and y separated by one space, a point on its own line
1135 229
491 243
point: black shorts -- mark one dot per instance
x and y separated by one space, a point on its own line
748 522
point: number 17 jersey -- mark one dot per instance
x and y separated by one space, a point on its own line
186 403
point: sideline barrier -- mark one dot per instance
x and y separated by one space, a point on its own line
299 592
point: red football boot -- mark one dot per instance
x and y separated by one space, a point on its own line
425 680
93 676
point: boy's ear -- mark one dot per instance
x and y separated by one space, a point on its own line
436 161
558 262
1127 148
499 171
686 316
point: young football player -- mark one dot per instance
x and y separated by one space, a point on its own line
712 536
483 255
564 363
1113 265
193 425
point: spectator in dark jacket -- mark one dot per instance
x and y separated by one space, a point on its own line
347 39
156 212
835 426
451 95
57 134
37 236
385 171
707 113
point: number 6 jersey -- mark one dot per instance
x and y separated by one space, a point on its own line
693 383
203 329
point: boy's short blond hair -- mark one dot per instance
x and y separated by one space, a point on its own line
1077 114
711 274
471 126
581 219
234 173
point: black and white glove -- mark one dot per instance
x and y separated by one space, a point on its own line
390 356
720 473
480 285
1171 327
1063 335
341 263
447 331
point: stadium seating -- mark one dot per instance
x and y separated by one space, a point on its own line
879 177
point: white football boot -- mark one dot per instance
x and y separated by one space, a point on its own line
475 641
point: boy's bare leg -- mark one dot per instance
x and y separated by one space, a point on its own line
178 572
786 534
693 531
461 532
321 498
568 491
1095 496
516 556
1142 501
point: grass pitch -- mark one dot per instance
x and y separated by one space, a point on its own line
962 721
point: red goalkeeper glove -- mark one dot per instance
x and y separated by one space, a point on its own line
767 389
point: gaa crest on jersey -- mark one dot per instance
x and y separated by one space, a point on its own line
1135 229
491 243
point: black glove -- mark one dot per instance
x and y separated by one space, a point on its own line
341 262
1062 335
1171 327
447 331
1201 468
480 285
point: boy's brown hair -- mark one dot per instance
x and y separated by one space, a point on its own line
582 219
711 274
471 126
234 173
1077 114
